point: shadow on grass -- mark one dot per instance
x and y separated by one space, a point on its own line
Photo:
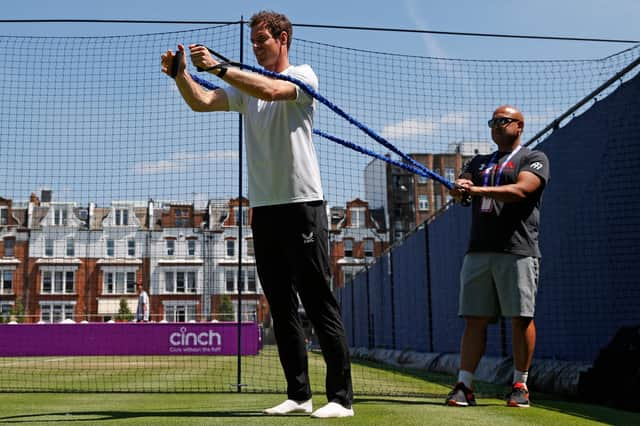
588 411
84 416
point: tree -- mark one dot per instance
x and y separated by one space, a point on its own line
124 313
17 311
225 309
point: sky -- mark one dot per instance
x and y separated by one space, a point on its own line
608 19
145 166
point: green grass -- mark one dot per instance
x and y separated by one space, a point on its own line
245 409
162 391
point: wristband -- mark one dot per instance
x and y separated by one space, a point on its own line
222 72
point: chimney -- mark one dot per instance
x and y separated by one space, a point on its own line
46 195
33 199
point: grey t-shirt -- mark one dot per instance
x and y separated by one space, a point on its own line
507 227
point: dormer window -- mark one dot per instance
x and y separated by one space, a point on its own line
4 216
357 218
122 217
182 218
60 216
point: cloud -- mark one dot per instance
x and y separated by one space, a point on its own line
183 160
409 128
413 10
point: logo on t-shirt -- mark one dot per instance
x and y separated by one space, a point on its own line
536 166
308 238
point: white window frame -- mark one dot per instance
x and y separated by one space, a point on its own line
423 202
191 247
60 216
110 248
3 273
121 217
230 247
71 247
173 308
112 278
131 247
171 247
358 217
67 310
58 278
348 247
249 274
187 276
49 247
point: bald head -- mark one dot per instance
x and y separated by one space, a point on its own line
509 111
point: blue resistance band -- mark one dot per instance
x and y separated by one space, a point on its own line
410 165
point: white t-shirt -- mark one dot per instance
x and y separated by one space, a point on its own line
282 163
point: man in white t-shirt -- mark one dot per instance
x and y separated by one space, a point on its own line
142 313
289 221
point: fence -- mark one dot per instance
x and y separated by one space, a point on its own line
108 180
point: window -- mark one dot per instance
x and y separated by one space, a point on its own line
247 281
119 282
250 250
48 247
71 247
423 202
122 217
5 311
171 247
9 247
191 282
191 247
422 179
348 248
244 211
368 248
182 218
231 248
131 247
58 282
180 312
60 216
169 283
111 248
182 281
4 216
450 173
6 282
55 312
251 280
357 218
230 280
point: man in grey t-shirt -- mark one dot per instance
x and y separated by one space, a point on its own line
499 275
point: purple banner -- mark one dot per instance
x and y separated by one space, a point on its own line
128 339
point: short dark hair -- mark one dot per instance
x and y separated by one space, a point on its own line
275 22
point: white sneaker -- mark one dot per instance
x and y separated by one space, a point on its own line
331 410
290 406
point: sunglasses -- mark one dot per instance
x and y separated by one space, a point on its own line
501 121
